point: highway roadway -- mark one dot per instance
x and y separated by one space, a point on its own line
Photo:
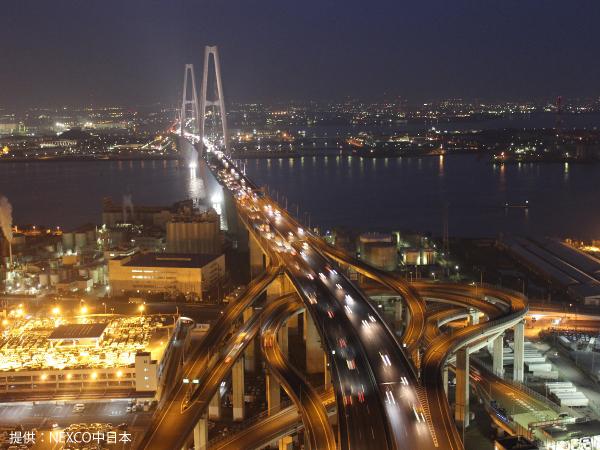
520 404
414 303
314 414
504 307
266 429
361 423
378 403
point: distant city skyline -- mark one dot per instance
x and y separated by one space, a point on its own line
539 104
132 53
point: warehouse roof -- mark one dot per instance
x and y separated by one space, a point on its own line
78 331
182 260
573 430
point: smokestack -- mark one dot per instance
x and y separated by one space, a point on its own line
6 223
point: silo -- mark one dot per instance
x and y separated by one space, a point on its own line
54 279
91 236
43 279
68 241
80 241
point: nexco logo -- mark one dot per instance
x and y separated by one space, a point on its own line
85 437
73 437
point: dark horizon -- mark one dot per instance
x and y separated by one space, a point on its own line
60 53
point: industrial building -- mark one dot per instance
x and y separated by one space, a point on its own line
560 264
113 214
78 240
198 233
170 273
413 256
379 250
578 435
53 355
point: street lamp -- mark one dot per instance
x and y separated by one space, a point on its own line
141 309
56 310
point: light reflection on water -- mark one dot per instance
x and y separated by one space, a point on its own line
196 187
391 193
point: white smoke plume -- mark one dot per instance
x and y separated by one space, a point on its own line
6 218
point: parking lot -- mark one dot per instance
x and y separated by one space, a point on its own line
96 417
25 344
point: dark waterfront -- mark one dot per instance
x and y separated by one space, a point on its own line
383 193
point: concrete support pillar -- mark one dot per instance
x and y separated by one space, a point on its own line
473 317
498 356
214 407
201 434
327 372
461 412
293 323
250 352
519 351
280 286
257 258
286 443
314 357
282 339
398 309
445 378
237 376
273 394
416 358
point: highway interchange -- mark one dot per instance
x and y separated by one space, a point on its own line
381 400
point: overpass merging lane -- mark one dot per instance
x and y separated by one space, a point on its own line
314 414
168 424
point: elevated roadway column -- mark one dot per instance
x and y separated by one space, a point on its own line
519 351
286 443
273 394
201 434
461 412
280 286
237 376
282 339
293 323
498 356
327 373
257 256
314 353
250 352
473 317
214 407
398 310
445 378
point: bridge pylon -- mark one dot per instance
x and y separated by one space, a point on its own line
186 102
219 102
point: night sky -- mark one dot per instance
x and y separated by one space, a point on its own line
132 52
